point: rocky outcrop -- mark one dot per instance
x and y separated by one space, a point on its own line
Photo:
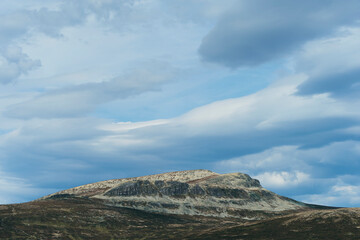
175 189
196 192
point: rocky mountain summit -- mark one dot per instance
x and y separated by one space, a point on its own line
194 192
196 204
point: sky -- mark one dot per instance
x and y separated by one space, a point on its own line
92 90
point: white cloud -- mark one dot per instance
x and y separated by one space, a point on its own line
283 158
332 64
14 63
339 195
338 53
20 25
282 179
272 108
77 101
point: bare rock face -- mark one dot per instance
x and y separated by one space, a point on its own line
195 192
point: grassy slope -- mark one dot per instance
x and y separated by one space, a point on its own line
77 218
330 224
88 219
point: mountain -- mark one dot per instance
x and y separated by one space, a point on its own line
197 204
194 192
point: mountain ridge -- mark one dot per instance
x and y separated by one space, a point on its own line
133 208
190 192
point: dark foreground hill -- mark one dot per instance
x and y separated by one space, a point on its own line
81 218
196 204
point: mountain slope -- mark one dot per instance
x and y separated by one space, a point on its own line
81 218
195 192
84 218
332 224
197 204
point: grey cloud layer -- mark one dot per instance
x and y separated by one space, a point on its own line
14 62
54 144
332 64
111 14
78 100
345 84
68 13
259 31
254 123
206 135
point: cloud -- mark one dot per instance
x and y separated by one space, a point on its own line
44 20
241 126
281 179
82 99
258 31
35 22
43 151
21 23
198 10
340 155
51 18
344 84
18 26
273 133
332 64
300 135
13 63
340 195
310 175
